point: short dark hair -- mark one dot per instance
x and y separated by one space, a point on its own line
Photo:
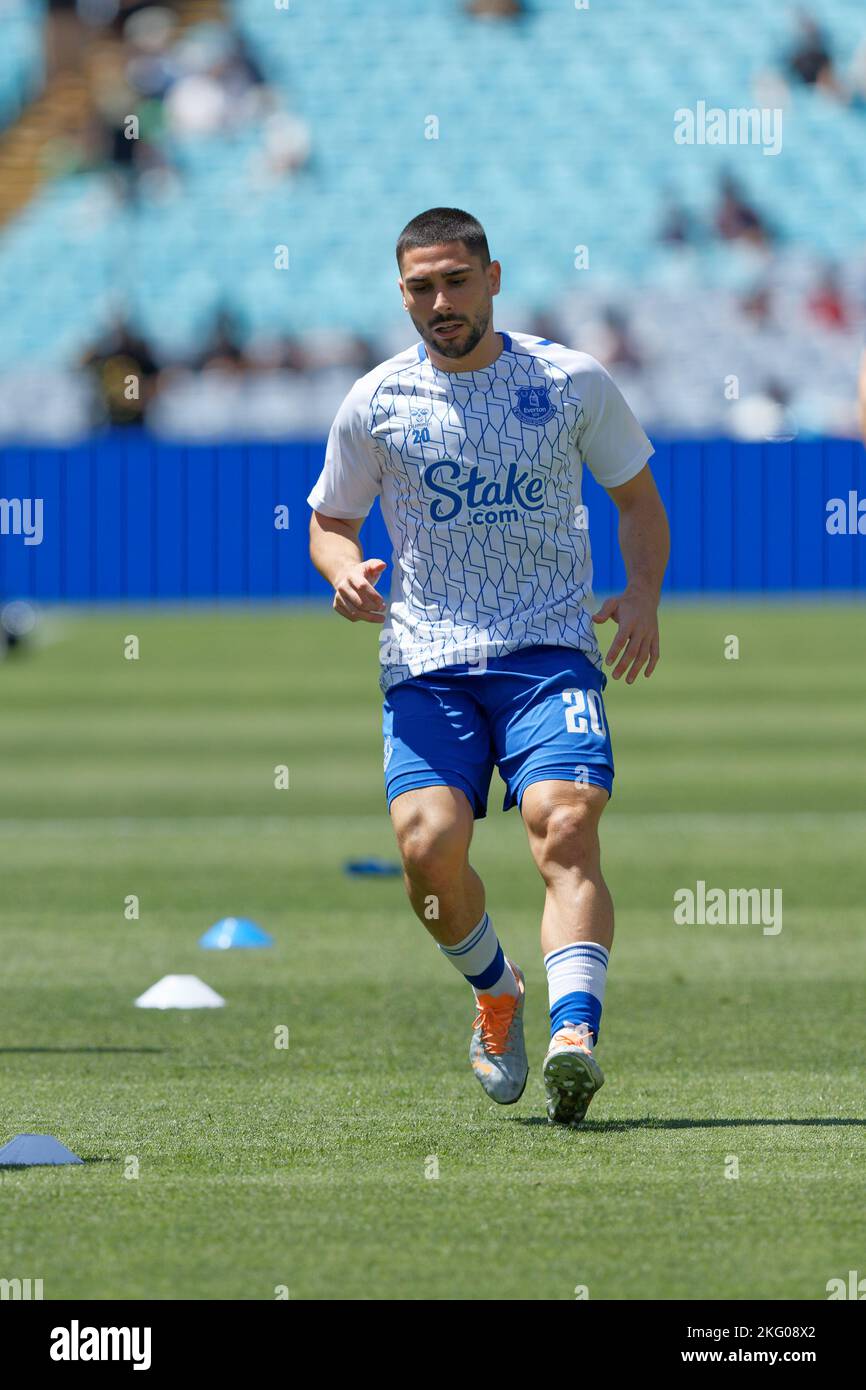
437 225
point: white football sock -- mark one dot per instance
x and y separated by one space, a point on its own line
481 959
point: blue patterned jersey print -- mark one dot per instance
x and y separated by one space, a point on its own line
479 479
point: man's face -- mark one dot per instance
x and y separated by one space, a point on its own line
449 296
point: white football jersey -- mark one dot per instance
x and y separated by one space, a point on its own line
479 478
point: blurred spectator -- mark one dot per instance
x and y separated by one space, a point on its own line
327 348
147 39
495 9
286 146
735 218
197 105
763 415
677 224
152 79
622 350
757 306
124 132
546 324
362 354
124 371
274 352
827 304
240 70
609 338
116 13
223 350
216 85
810 60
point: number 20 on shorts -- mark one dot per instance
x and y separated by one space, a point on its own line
578 704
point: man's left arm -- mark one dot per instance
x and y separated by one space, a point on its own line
644 540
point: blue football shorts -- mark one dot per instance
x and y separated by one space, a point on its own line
536 714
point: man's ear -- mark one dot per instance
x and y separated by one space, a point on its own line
494 276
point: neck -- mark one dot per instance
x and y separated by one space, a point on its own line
484 354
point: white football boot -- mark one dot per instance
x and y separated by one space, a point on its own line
497 1050
571 1074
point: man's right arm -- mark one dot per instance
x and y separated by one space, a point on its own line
336 552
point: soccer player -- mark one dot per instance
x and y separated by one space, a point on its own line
474 440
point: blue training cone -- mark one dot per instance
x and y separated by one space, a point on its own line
233 932
32 1150
361 868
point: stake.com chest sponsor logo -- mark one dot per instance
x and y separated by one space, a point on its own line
77 1343
486 499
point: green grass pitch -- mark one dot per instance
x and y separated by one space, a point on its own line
308 1167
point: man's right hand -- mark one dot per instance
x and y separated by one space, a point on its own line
354 595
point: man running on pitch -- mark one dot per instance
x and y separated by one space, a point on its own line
474 440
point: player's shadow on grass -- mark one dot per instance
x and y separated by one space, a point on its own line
620 1126
81 1049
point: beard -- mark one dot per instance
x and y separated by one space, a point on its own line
466 341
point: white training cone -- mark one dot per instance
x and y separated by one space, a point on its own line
179 992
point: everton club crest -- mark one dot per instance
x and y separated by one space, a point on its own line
533 405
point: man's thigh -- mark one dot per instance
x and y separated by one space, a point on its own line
438 817
437 734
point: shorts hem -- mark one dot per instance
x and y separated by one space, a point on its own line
411 782
597 775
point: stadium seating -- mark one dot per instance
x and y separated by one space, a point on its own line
545 171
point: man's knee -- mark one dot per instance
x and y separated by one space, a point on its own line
564 831
433 842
